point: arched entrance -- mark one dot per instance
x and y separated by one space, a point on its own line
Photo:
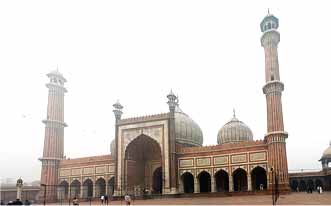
88 188
240 180
310 184
302 185
157 181
204 182
222 181
139 156
100 187
63 190
188 182
318 182
111 186
75 188
294 185
259 178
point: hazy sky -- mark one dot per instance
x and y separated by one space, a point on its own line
208 52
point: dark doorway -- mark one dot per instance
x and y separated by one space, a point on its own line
240 180
75 188
259 178
222 181
100 187
64 188
204 182
188 182
318 182
302 186
111 186
88 188
294 185
157 181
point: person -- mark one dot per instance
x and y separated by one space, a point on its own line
17 202
106 199
318 189
261 186
127 199
102 198
1 202
321 190
75 201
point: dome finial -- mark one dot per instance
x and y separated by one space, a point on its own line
268 12
234 113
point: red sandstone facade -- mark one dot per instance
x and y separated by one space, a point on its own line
162 154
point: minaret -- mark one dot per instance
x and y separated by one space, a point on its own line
118 179
276 136
172 103
54 133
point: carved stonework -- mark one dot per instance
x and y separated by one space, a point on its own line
102 169
273 87
76 171
181 172
209 170
264 166
203 161
88 170
221 160
258 156
244 167
186 163
65 172
226 169
239 158
111 168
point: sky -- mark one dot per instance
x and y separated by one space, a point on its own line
207 52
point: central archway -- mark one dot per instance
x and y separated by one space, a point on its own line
140 154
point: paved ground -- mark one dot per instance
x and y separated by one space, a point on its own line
300 198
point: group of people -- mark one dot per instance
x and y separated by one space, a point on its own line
16 202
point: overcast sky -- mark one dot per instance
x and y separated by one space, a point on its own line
208 52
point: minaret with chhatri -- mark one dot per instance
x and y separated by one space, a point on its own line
54 134
276 136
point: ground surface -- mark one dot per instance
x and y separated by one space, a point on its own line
300 198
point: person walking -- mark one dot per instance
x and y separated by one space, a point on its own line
127 199
106 199
102 198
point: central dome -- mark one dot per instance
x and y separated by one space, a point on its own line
188 133
234 131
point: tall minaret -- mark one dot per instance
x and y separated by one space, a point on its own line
54 133
276 136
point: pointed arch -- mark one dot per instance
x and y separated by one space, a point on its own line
222 181
240 180
259 178
111 186
88 188
75 188
204 181
63 190
187 179
100 187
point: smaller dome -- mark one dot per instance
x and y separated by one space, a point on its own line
19 181
327 153
234 131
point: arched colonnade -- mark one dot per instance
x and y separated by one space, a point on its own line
239 180
86 189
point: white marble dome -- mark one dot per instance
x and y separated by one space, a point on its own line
234 131
188 133
327 153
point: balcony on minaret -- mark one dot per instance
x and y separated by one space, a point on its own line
270 22
56 80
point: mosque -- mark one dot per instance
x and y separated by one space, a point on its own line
164 154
